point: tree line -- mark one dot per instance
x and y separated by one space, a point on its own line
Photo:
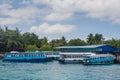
14 40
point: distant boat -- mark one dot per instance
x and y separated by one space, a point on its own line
53 54
26 57
73 57
99 59
1 56
13 51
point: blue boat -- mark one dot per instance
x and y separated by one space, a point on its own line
26 57
99 59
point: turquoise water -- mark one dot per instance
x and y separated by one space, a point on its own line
56 71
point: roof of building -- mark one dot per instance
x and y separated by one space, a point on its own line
118 49
77 53
89 46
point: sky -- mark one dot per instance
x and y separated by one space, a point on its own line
57 18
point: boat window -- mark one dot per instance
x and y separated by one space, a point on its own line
12 56
70 56
28 55
74 56
66 56
22 55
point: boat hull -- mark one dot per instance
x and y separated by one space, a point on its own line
26 57
28 60
70 61
98 63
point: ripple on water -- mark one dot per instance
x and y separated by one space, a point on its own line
56 71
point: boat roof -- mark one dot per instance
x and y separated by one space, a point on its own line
88 46
102 55
75 53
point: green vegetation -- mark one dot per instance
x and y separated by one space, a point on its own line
31 47
76 42
13 40
46 48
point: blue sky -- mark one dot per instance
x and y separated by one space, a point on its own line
56 18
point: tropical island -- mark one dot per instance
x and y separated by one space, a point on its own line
14 40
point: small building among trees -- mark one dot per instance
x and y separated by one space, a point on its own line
102 48
99 49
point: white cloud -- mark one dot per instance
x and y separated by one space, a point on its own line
27 13
100 9
31 11
41 2
4 6
25 2
7 21
46 28
20 15
57 16
61 10
4 9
